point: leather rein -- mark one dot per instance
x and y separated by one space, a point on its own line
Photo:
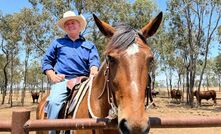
113 110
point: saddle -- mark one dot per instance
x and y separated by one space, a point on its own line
77 87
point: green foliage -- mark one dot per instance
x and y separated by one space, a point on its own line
218 64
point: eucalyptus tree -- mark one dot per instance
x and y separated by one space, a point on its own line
200 19
217 68
9 29
34 76
135 13
15 78
219 34
2 62
34 35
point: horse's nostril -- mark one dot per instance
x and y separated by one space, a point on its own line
146 131
124 126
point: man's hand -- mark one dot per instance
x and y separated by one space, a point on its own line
93 71
54 78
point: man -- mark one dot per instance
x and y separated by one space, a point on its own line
68 58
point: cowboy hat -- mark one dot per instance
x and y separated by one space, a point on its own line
70 15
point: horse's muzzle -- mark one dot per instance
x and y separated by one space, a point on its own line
126 128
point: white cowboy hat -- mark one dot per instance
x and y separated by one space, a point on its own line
69 15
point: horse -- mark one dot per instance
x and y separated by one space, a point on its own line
121 82
35 96
210 94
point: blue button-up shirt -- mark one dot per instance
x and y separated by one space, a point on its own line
71 58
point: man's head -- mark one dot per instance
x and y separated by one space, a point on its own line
71 22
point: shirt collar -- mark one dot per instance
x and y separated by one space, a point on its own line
81 38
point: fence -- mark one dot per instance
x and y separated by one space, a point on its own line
21 123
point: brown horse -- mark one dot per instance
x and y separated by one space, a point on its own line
122 80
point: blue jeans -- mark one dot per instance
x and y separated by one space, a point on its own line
56 99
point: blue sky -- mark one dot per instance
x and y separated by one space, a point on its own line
12 6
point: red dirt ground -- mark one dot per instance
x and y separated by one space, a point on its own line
165 108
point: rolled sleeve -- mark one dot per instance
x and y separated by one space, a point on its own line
94 59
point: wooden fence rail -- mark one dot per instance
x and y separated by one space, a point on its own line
21 123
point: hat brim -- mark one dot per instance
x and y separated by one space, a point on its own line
79 18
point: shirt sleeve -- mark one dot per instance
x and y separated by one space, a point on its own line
49 58
94 58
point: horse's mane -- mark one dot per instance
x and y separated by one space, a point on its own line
122 38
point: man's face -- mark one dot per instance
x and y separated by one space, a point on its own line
72 27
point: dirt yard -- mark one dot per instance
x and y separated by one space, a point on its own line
165 108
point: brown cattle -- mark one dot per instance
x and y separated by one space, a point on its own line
210 94
154 93
176 94
35 96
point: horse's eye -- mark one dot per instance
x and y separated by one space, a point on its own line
110 58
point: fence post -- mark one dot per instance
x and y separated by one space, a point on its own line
19 118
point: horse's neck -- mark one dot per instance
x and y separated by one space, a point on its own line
99 80
98 96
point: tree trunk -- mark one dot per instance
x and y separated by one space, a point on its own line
187 87
5 82
11 79
25 79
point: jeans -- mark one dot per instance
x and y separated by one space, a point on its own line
56 99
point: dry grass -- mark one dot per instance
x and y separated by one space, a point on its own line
165 108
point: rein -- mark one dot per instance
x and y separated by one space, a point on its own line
113 111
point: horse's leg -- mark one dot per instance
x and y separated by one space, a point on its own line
200 102
214 99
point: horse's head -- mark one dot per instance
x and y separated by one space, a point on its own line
128 57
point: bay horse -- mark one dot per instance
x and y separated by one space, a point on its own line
121 81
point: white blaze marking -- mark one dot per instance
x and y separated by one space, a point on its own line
133 49
134 85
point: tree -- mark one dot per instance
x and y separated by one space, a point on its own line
8 30
201 19
218 69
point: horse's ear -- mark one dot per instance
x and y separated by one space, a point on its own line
150 28
105 28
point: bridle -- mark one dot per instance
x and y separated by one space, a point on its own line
110 95
113 111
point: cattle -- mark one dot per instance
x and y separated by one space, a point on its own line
210 94
154 93
176 94
35 96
